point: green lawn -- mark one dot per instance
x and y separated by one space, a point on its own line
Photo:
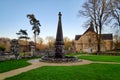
101 58
12 64
75 54
84 72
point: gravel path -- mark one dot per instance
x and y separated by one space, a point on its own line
36 64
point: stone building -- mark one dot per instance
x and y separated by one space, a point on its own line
87 41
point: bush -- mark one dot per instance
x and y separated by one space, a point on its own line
2 48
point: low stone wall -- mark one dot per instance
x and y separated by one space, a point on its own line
6 57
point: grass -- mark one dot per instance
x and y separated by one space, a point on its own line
101 58
75 54
84 72
12 64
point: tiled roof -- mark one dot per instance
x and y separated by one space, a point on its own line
77 37
91 28
104 37
107 36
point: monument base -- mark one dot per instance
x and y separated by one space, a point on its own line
59 60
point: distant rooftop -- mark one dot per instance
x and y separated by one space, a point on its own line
77 37
107 37
91 29
104 37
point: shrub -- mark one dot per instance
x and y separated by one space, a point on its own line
2 48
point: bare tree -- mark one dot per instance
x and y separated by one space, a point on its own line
5 42
39 40
50 41
97 11
67 43
115 10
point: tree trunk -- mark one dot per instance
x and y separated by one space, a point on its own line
35 40
99 36
26 44
98 46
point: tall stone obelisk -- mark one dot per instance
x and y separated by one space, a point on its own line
59 44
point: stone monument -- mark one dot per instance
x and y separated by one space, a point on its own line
59 55
59 44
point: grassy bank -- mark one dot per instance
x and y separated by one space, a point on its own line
101 58
84 72
12 64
